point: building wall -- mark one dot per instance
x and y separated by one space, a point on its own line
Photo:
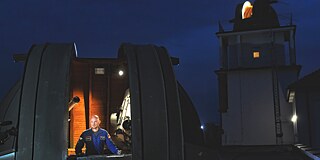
303 117
245 59
78 84
314 102
249 119
286 77
98 96
271 48
308 107
295 125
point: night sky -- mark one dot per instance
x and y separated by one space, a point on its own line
185 27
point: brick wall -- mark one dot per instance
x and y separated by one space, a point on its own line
77 114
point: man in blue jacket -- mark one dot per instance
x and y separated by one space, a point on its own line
95 139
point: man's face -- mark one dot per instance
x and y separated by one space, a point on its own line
94 123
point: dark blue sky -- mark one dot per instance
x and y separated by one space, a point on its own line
185 27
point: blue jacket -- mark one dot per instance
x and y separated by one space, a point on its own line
95 142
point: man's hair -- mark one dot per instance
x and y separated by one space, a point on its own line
96 116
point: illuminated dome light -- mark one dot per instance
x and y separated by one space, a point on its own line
246 10
202 127
120 72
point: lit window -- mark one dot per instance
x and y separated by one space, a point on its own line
291 96
256 54
99 70
246 10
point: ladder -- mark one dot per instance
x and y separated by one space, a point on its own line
276 102
276 98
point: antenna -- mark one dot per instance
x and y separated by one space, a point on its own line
220 27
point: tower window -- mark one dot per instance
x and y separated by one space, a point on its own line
256 54
247 10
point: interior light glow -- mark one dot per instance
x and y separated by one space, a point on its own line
294 118
202 127
256 54
246 10
99 70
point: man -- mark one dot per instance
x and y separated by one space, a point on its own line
95 139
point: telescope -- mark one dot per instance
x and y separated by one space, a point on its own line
75 100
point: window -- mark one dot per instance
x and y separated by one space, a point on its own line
256 54
99 70
247 10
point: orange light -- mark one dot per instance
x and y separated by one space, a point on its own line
246 10
256 54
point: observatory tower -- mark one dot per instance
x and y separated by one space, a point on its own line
257 63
